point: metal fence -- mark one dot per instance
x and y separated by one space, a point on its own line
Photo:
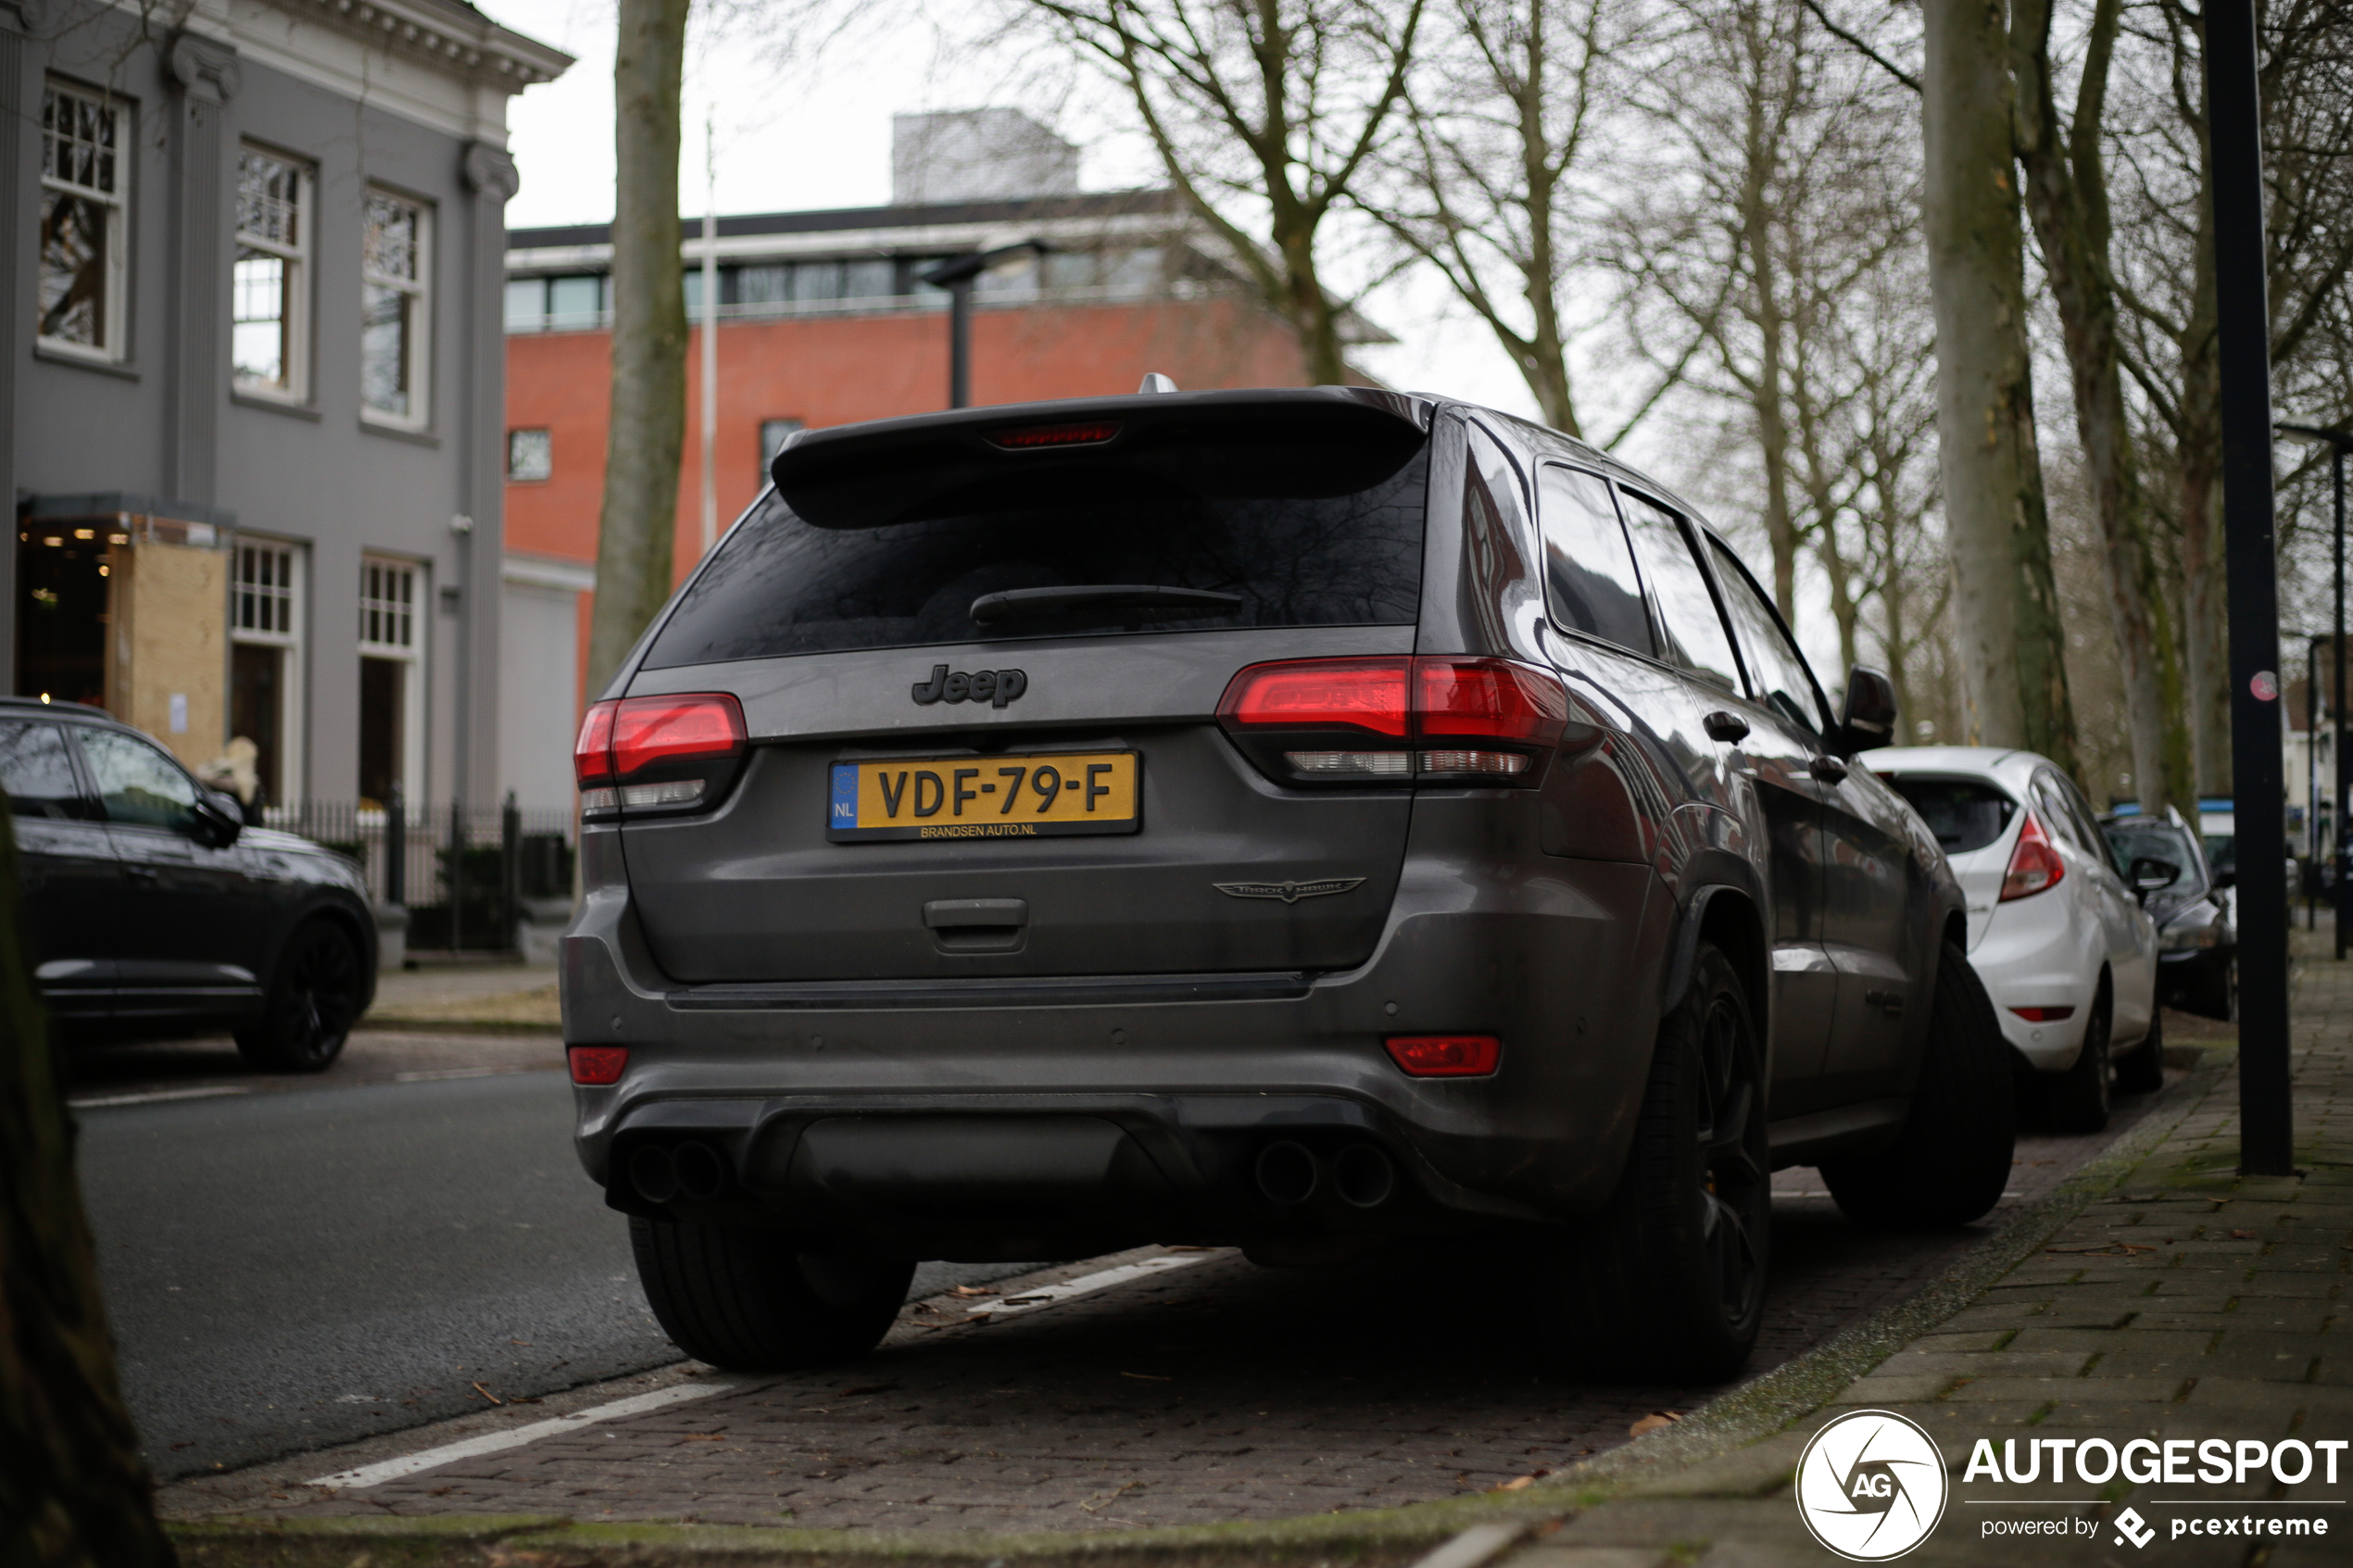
463 872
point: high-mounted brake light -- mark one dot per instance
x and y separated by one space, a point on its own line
1277 711
1031 438
1445 1056
2035 866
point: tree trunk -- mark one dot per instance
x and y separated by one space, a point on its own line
2006 620
1767 392
635 534
74 1492
2198 446
2065 199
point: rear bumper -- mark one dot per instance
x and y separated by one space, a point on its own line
980 1122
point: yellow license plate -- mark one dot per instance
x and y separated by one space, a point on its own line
985 796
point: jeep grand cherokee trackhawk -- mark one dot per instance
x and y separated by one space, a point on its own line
1293 819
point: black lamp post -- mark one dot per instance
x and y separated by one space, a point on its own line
2339 441
2243 342
957 275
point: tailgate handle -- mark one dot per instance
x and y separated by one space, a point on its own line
978 925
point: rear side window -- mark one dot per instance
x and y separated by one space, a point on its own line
1589 569
781 584
1695 636
35 771
1962 813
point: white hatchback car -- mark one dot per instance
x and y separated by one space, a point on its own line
2056 927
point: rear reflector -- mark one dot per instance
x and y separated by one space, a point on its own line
1445 1056
2043 1015
657 729
598 1064
1092 433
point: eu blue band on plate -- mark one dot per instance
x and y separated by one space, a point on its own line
845 812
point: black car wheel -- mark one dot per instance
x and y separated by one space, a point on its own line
745 1300
2143 1072
1670 1282
313 1005
2077 1100
1953 1160
2225 1003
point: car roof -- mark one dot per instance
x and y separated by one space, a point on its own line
54 709
2005 764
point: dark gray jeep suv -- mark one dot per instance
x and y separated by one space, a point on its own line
1294 819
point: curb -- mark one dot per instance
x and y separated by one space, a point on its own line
1372 1538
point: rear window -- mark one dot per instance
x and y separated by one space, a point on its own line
2129 841
1962 813
781 584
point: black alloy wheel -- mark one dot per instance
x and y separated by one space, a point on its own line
1735 1187
312 1004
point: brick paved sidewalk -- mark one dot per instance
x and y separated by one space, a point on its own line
2189 1302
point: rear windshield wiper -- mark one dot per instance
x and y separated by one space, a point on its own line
1130 596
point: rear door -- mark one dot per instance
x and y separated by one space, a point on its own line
1773 759
72 882
981 677
192 925
1869 889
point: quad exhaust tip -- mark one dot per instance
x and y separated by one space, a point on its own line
1364 1175
1287 1173
692 1169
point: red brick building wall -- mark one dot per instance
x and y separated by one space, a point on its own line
831 370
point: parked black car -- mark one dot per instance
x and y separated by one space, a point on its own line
152 910
1297 819
2197 915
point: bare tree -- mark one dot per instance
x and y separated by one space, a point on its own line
2065 197
647 431
2006 608
74 1492
1273 109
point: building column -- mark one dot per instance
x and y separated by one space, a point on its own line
490 174
19 222
196 293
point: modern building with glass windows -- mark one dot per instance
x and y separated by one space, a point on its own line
253 405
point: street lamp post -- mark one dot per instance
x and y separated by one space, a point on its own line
957 275
2339 441
2243 344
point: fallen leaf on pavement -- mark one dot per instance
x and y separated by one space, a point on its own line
1654 1422
488 1395
972 1290
1521 1483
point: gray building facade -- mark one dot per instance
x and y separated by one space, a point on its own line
253 398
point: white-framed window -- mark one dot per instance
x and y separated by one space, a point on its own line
86 149
395 318
265 661
391 687
270 284
531 454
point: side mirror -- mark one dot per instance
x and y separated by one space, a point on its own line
2224 876
219 820
1870 719
2153 875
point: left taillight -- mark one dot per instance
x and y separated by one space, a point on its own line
658 755
1422 720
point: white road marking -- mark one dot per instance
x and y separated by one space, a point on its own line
1086 1284
154 1094
516 1436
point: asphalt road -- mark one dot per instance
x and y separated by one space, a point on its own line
296 1269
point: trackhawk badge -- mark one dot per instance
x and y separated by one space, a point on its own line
1289 892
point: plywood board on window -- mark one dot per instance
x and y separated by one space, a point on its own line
169 615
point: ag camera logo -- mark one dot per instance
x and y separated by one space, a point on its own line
1871 1486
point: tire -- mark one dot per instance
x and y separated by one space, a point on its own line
312 1004
2143 1072
2223 997
1668 1283
2078 1099
1950 1165
744 1300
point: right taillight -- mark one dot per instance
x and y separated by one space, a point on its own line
659 753
2035 866
1396 720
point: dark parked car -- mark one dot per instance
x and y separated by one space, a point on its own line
2197 936
152 910
1292 819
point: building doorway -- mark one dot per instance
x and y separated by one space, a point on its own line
256 706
